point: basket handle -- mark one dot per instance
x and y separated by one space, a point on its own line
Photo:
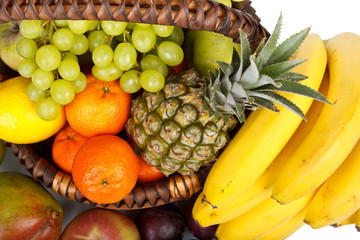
189 14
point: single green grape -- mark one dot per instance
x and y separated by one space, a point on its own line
42 79
153 50
26 48
125 56
176 36
78 26
62 91
150 61
34 93
27 67
102 55
93 24
130 81
65 55
152 80
96 38
47 109
113 28
63 39
48 57
69 69
79 83
108 73
130 25
81 44
142 25
60 23
31 28
170 53
143 39
162 30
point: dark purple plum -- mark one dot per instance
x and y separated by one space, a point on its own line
202 233
164 222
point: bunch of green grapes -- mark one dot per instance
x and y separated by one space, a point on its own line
138 55
50 53
158 46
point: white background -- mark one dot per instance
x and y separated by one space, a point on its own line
325 17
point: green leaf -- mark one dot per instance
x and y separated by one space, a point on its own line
240 112
291 76
245 50
225 84
235 61
265 104
264 80
280 68
260 47
226 68
250 76
239 92
296 88
287 48
274 97
272 41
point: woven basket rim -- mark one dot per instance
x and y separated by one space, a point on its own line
209 15
176 187
206 15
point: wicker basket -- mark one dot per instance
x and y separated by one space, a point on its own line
189 14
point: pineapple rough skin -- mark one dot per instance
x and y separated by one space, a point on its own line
172 131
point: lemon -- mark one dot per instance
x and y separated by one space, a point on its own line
19 122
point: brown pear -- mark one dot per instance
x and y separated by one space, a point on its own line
27 209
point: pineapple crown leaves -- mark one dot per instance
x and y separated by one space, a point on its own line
252 80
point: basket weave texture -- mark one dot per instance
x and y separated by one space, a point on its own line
189 14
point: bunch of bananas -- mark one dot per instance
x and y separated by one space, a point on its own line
267 185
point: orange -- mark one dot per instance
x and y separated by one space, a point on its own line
101 108
66 144
105 169
147 173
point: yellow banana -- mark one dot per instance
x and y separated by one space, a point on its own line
337 129
357 220
349 220
260 220
262 188
261 138
339 197
286 229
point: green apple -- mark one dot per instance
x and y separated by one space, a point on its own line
9 36
209 47
2 150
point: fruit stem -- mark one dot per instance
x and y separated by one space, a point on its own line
111 38
53 25
105 183
54 214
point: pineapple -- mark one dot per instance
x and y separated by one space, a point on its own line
186 124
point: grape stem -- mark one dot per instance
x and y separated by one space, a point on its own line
110 40
54 25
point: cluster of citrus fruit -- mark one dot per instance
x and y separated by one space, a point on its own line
104 166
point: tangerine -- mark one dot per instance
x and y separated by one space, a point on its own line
66 144
147 173
101 108
105 169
